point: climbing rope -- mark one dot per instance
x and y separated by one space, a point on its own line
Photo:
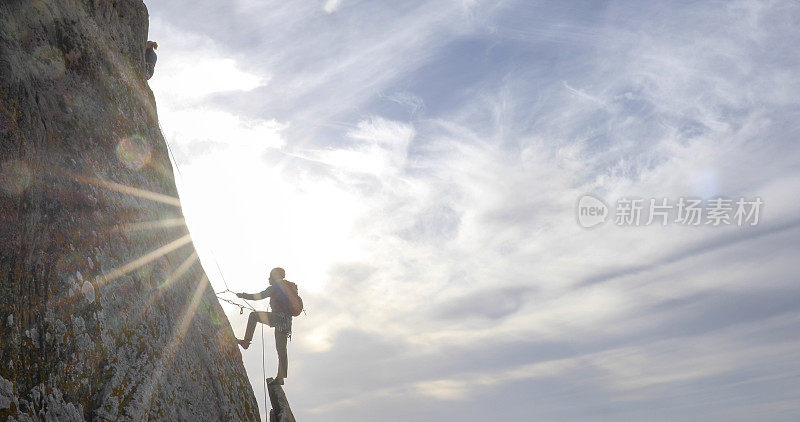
264 371
247 305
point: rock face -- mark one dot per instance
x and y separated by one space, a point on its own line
105 311
281 411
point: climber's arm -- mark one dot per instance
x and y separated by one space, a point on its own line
258 296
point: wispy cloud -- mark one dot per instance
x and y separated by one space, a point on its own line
416 167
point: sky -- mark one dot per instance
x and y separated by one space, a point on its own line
416 167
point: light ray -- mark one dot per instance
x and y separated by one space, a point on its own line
118 187
161 167
180 271
175 342
143 260
176 275
190 311
147 225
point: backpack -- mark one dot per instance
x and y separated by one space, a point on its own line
289 300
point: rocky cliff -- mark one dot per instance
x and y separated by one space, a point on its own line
105 311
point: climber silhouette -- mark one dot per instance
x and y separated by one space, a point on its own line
280 317
150 58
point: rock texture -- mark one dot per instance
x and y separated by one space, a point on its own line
281 411
105 312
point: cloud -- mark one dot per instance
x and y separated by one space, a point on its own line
418 178
491 303
331 5
380 148
191 68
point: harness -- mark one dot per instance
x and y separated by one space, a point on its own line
283 323
279 303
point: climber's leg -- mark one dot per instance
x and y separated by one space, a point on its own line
255 316
283 358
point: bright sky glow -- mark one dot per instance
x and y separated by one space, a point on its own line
415 169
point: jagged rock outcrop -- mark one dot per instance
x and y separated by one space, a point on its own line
105 312
281 411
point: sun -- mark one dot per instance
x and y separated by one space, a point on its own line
248 216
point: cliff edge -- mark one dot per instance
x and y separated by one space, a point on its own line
105 311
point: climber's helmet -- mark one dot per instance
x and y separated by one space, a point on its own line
276 274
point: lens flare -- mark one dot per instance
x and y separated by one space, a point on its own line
134 152
15 177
